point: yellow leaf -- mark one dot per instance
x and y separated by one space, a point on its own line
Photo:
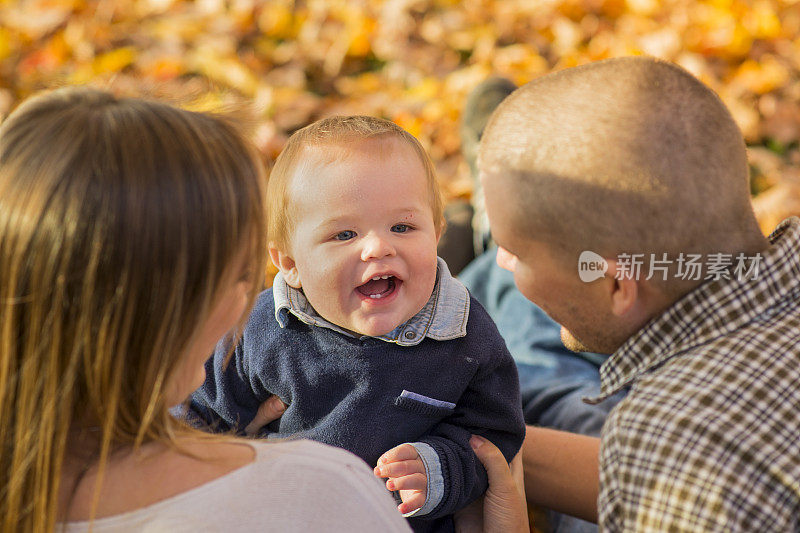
276 21
776 204
114 61
204 103
717 31
5 43
360 45
412 124
762 22
228 70
566 35
165 68
82 74
521 60
427 89
761 77
643 7
722 4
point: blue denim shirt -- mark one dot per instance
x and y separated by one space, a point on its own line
443 317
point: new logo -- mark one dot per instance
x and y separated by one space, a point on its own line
591 266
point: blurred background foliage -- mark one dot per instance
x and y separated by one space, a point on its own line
412 61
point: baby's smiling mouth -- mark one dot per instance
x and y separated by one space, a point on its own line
379 287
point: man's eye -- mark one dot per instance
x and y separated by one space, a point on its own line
401 228
345 235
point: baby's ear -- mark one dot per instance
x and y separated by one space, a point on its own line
441 228
286 265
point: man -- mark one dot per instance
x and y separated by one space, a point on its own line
636 169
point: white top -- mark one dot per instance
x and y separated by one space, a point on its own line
290 486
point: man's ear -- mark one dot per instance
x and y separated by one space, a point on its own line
286 265
624 290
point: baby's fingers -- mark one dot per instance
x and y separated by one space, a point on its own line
412 503
403 452
412 482
400 468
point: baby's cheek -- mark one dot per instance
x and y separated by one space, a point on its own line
431 281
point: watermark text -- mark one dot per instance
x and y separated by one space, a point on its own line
690 267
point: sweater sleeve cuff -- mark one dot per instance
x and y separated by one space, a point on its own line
433 471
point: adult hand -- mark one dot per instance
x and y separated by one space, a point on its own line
502 509
270 410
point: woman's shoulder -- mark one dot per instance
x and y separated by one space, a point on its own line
299 451
323 469
285 460
296 484
301 484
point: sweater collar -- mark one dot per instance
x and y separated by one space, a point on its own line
443 317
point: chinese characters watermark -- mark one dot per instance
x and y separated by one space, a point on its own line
715 266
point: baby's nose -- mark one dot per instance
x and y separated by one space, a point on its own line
376 247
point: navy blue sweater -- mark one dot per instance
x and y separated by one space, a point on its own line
346 392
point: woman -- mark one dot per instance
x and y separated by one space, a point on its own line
131 241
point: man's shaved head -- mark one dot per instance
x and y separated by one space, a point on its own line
627 155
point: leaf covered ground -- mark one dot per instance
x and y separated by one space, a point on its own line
412 61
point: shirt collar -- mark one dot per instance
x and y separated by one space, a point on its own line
444 316
712 310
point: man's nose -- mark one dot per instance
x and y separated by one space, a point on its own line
506 259
376 247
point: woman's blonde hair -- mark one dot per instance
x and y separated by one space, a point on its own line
336 131
118 219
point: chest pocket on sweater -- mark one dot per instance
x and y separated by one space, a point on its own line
424 405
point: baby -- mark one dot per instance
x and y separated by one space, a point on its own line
365 335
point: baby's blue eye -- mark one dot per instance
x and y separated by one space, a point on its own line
345 235
401 228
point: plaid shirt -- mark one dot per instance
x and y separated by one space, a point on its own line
708 439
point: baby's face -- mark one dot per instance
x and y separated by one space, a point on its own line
364 243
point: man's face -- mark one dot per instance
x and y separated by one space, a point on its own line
547 279
365 241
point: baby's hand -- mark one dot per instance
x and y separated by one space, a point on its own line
406 473
270 410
